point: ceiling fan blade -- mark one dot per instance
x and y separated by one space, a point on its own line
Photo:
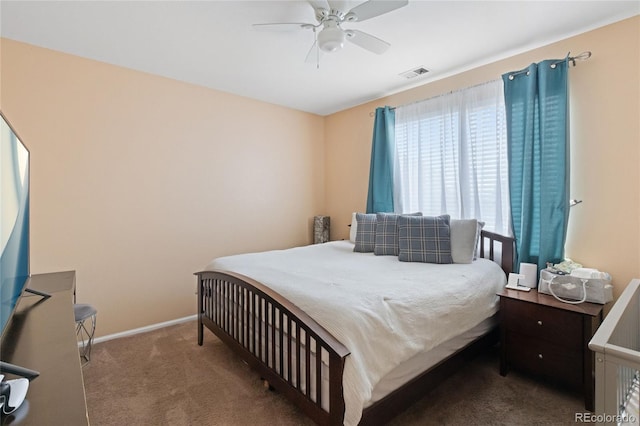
372 8
282 26
340 5
318 4
367 41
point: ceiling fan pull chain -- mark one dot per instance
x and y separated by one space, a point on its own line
315 33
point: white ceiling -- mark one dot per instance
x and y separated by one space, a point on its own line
212 43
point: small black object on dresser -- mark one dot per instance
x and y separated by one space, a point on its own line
545 337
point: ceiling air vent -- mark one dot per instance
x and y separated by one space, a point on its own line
414 73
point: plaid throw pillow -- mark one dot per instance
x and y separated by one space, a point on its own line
424 239
387 234
365 232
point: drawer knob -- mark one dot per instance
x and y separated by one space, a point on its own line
539 322
539 356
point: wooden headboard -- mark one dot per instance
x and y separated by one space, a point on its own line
492 245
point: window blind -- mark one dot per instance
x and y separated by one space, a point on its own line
451 156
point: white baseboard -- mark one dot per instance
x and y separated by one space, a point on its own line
145 329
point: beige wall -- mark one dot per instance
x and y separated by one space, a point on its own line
138 181
604 231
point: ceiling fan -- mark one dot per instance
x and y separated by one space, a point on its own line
331 14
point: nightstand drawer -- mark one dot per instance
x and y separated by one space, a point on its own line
546 359
559 327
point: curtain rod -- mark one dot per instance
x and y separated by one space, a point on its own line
581 57
372 113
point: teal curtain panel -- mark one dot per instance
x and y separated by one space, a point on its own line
380 196
536 102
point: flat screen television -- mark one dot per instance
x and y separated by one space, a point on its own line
14 215
14 232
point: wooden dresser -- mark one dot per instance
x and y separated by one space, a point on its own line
42 337
549 339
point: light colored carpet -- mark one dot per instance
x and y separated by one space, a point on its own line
164 378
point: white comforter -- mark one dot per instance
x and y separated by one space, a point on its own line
383 310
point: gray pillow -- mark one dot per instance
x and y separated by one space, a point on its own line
465 234
424 239
387 234
476 250
365 232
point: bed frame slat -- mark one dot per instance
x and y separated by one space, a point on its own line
298 368
259 328
273 337
253 323
318 370
289 372
307 364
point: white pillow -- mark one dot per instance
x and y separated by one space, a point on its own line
354 228
464 239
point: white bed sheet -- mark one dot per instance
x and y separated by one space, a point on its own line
402 309
423 361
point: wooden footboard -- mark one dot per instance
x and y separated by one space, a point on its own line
284 344
296 355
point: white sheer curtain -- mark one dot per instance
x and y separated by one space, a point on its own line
451 157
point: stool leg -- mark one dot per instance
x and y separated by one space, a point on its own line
80 334
86 338
90 344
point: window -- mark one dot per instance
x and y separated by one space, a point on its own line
451 157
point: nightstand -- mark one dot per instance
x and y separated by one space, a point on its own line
545 337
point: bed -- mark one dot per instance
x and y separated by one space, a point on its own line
354 359
616 344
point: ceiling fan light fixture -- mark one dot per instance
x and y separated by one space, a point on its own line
331 39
